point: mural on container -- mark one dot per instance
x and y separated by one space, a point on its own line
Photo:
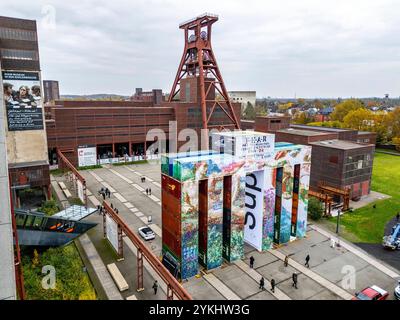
214 228
190 225
226 175
237 217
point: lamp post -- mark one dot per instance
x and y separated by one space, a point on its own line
337 227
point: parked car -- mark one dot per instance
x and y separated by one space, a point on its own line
372 293
397 291
146 233
392 241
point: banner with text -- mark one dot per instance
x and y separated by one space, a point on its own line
23 100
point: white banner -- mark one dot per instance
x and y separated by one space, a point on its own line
87 156
254 209
80 190
112 232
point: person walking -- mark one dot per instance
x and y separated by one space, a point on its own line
116 211
104 195
273 285
286 262
262 283
108 192
149 191
112 207
294 278
155 287
251 262
307 264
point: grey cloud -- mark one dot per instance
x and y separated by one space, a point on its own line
279 48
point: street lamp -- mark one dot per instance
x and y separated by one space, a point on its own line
337 226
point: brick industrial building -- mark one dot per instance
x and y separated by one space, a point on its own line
341 158
116 127
25 131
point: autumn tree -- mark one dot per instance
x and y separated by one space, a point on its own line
302 118
249 113
359 119
343 108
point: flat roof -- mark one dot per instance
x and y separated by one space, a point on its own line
304 126
340 144
301 132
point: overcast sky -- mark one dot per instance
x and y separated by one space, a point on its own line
307 48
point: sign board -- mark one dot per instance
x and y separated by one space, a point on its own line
87 156
253 232
112 232
23 100
244 144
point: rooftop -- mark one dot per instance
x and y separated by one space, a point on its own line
340 144
304 126
301 132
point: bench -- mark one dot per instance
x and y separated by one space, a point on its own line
67 193
62 185
117 276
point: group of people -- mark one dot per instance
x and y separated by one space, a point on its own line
24 97
286 264
105 192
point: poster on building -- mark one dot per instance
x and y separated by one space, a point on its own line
23 100
254 204
87 155
112 232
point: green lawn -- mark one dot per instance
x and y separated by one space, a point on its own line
368 224
72 282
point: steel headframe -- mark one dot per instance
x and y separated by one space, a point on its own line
198 60
173 286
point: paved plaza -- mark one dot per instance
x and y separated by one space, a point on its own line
324 279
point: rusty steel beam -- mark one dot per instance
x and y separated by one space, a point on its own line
151 258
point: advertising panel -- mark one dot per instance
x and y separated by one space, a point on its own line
23 100
254 209
112 232
87 155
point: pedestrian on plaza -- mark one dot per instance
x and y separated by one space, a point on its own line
116 211
273 285
155 287
251 262
398 216
147 191
104 195
307 264
294 278
108 192
112 207
333 242
286 262
262 283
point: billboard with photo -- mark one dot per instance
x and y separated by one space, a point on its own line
112 232
23 100
87 155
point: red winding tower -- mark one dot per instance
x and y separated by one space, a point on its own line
198 61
